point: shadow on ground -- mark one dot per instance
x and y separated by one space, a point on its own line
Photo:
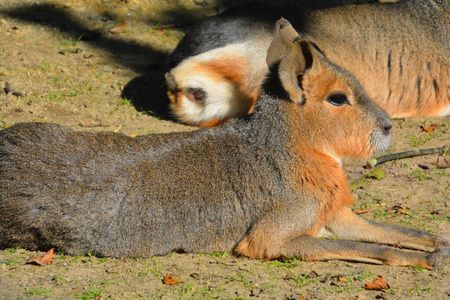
147 92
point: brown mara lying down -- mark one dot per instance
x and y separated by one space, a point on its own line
264 185
399 52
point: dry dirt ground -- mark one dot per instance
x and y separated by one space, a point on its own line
98 65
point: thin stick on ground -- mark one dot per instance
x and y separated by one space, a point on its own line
416 152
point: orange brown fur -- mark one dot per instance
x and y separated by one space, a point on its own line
224 68
267 185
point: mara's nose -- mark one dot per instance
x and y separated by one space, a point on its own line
387 126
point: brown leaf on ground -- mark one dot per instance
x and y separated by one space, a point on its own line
442 164
91 123
181 251
425 201
430 128
42 260
341 279
360 211
377 284
119 28
398 209
169 280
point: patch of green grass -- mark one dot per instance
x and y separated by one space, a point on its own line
376 198
93 294
154 268
69 42
126 101
443 173
154 28
151 113
412 123
409 197
303 280
107 282
381 212
284 263
420 175
3 124
55 97
400 122
61 252
42 291
417 269
423 138
350 280
60 280
239 278
220 254
95 259
44 66
406 163
12 261
367 274
56 80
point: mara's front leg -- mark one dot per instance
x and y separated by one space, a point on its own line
348 226
289 233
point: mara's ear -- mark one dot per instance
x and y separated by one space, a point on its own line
289 57
282 42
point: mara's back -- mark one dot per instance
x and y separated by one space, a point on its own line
400 52
81 191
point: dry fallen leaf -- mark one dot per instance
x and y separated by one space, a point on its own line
181 251
341 279
430 128
398 209
377 284
171 281
42 260
442 164
91 123
119 28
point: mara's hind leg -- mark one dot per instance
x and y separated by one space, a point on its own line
348 226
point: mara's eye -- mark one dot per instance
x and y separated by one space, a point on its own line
338 99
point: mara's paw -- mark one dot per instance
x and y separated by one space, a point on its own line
438 258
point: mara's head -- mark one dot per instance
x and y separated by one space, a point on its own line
328 108
211 87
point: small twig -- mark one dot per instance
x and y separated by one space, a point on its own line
417 152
